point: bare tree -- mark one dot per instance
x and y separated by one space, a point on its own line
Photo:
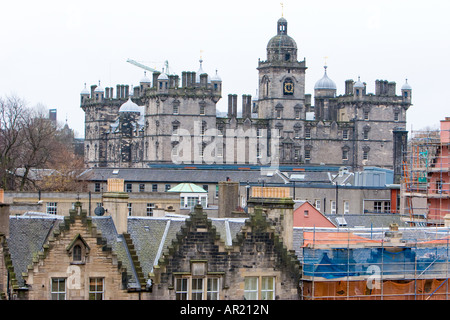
39 143
67 167
31 144
12 111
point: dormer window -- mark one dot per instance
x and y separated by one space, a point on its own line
78 250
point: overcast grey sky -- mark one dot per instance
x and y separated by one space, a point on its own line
51 48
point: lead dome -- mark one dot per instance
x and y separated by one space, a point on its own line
406 86
282 46
325 82
130 106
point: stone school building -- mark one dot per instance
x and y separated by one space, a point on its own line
170 117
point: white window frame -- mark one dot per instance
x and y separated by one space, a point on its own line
261 291
183 290
149 210
212 292
97 292
345 134
346 207
307 133
52 207
317 204
365 155
57 293
333 206
387 207
198 292
378 206
205 292
344 154
307 154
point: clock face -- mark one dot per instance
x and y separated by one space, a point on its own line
288 88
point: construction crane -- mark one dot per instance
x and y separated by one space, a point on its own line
140 65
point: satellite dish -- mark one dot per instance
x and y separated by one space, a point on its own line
99 211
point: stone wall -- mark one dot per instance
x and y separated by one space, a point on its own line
56 261
257 251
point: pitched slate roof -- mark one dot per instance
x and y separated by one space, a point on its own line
27 235
170 175
150 236
367 220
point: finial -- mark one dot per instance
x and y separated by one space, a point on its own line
282 9
325 58
201 57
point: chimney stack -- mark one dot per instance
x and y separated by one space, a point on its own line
115 202
4 219
232 106
246 106
279 209
228 198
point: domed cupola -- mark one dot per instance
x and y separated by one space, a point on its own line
406 86
145 79
99 89
85 91
130 106
200 72
358 84
325 83
99 92
163 83
406 92
282 47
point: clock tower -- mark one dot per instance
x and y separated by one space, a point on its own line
281 78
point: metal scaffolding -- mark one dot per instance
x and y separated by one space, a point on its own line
378 266
425 188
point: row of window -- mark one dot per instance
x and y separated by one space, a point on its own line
52 208
176 110
279 114
318 206
187 288
345 154
142 187
207 288
378 206
59 288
